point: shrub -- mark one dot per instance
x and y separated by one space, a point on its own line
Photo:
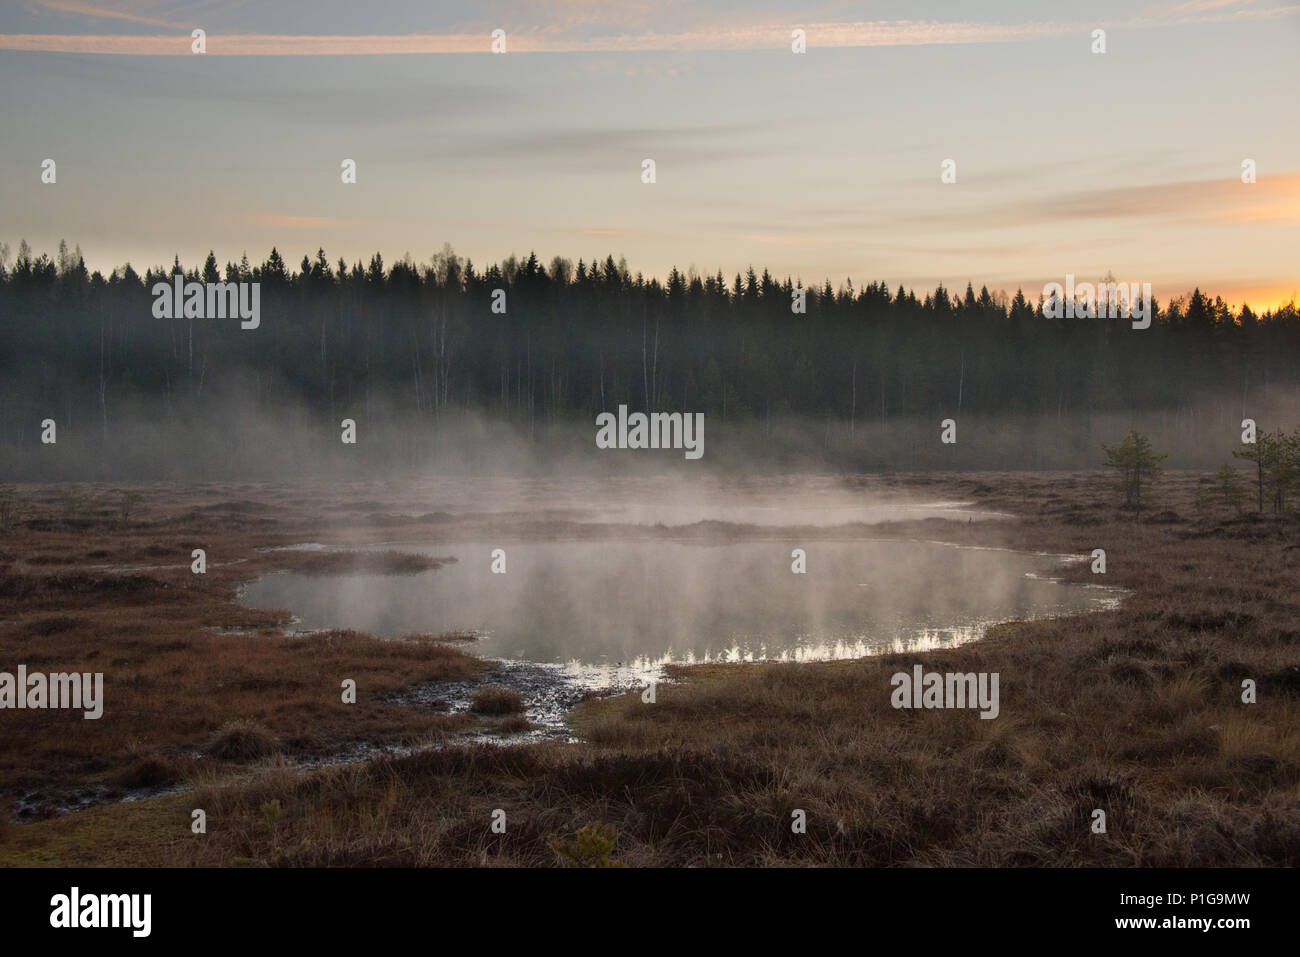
242 740
592 846
496 700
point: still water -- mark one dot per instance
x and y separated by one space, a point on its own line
635 605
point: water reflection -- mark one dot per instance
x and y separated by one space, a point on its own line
630 607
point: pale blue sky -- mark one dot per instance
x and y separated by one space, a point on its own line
821 165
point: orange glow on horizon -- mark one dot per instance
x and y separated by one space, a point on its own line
1267 299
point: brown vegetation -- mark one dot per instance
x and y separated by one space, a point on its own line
494 699
1136 711
181 659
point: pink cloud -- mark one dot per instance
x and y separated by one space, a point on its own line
563 35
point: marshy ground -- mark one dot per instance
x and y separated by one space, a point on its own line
1136 711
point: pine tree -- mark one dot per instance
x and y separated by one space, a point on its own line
1137 461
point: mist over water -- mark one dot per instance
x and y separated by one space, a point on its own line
627 603
638 502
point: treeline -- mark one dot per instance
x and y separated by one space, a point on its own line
579 338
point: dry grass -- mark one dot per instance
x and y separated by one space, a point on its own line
515 724
494 699
180 658
242 741
1136 711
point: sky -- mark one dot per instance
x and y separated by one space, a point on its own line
821 165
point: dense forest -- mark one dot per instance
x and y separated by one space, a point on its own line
576 339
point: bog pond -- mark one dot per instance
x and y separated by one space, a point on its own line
614 611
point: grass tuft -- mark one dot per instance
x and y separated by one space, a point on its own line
493 699
242 741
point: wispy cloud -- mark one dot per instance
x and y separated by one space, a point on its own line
248 44
571 33
1217 201
577 148
1274 198
97 11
